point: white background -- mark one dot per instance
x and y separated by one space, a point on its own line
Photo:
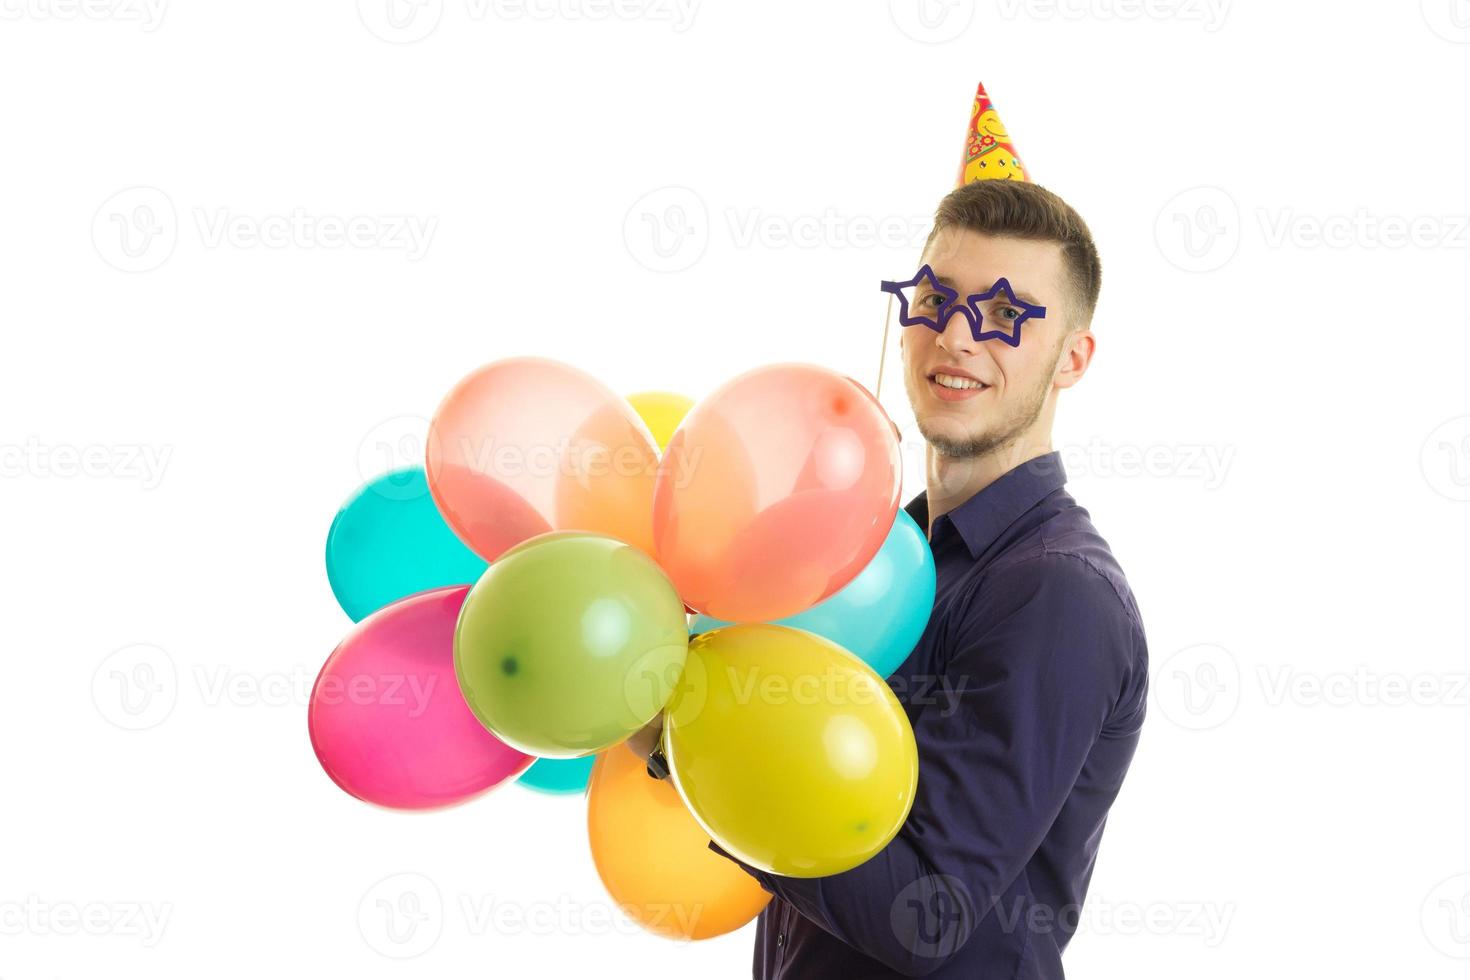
1275 434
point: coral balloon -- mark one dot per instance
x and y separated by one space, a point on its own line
661 411
386 717
570 643
653 856
527 445
791 752
881 614
775 492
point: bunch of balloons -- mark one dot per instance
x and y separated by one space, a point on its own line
568 565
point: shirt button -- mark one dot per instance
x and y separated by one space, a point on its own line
780 939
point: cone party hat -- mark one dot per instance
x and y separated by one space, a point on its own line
989 153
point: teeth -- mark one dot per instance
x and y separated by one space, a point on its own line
950 381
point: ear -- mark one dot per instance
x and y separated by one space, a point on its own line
1077 348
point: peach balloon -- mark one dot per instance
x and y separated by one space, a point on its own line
528 445
775 492
654 858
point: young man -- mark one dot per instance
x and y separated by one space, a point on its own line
1026 692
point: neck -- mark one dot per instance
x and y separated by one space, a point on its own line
952 480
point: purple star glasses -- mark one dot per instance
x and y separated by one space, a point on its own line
935 303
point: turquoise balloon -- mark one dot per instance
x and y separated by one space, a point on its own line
559 775
881 614
389 541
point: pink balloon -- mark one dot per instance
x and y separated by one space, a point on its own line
528 445
387 720
775 492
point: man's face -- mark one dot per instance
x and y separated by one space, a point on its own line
1013 382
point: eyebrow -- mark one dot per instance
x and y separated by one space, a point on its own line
1026 298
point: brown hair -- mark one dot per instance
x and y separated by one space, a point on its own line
1022 210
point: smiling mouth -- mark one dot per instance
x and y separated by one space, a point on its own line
953 386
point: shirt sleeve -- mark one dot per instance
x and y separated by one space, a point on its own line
1041 660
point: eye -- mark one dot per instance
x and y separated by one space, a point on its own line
1009 313
933 300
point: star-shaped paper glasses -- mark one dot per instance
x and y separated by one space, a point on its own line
1010 312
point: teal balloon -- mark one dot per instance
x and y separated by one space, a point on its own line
559 775
881 614
389 541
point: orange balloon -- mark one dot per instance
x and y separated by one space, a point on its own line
654 859
775 492
528 445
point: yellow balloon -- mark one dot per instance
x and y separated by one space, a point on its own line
792 753
655 860
661 411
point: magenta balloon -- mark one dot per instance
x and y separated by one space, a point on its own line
386 717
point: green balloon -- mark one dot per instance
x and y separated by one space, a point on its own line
569 643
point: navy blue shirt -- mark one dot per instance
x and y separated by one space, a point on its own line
1026 695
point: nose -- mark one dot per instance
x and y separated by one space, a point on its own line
956 337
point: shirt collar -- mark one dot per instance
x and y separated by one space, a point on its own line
982 518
